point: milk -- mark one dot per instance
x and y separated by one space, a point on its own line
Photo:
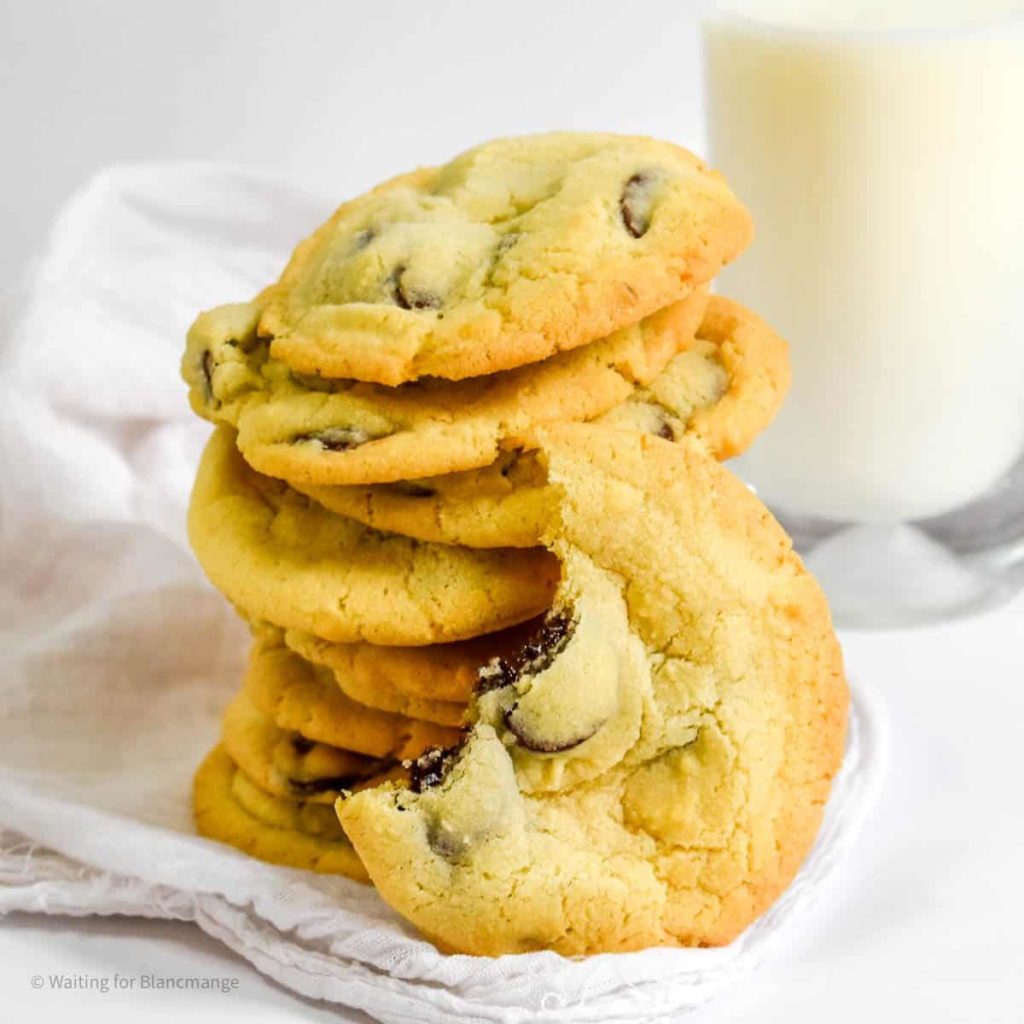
884 166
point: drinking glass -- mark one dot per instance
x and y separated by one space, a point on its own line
880 147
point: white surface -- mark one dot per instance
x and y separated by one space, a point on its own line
334 94
114 672
31 946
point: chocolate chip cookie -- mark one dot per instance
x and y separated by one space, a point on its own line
441 674
230 809
288 764
309 430
652 769
375 689
283 558
516 250
304 698
723 389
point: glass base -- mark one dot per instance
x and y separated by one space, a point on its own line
884 575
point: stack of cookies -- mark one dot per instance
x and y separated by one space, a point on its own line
525 655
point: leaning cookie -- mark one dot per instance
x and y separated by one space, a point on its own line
658 773
309 430
284 559
516 250
723 389
230 809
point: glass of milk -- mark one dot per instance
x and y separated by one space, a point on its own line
880 147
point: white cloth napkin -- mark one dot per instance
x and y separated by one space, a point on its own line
116 657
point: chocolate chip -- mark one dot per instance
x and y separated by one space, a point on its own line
635 203
445 843
363 239
301 745
505 243
313 382
537 743
336 439
536 654
429 769
506 470
665 428
410 298
206 370
411 490
309 787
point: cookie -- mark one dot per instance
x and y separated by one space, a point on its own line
315 431
304 698
233 811
516 250
723 389
506 503
287 764
375 689
302 816
656 771
446 673
285 559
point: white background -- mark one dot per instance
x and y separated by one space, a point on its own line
332 92
924 923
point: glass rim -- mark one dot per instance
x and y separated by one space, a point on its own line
1009 24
